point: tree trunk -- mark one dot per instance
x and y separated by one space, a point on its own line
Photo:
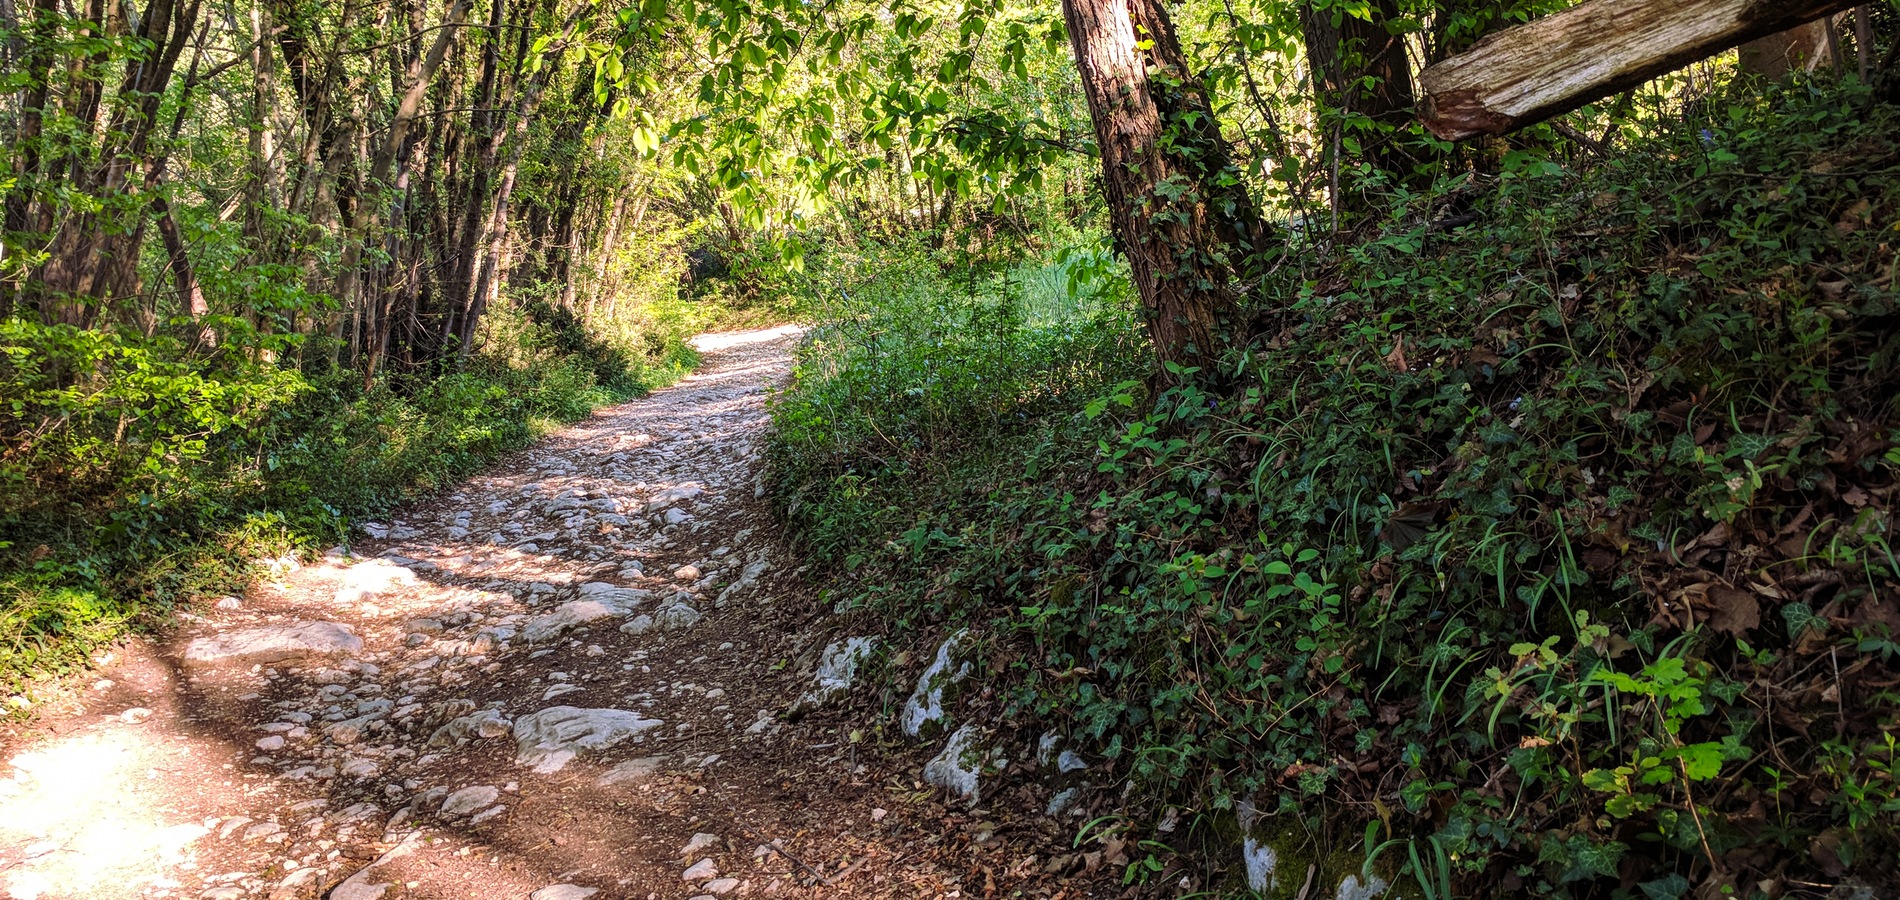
1184 227
605 255
1360 73
416 85
191 297
493 263
1524 75
1776 55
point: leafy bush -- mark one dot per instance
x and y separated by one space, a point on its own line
1561 540
137 471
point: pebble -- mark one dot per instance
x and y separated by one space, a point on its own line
704 870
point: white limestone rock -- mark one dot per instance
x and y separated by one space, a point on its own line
960 766
488 723
837 672
564 892
1351 888
469 799
675 615
572 614
747 578
634 770
926 703
548 740
372 578
274 644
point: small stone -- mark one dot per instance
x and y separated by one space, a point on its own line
468 800
640 624
271 744
686 573
564 892
676 615
704 870
720 886
487 723
697 843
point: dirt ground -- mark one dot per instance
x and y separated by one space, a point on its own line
569 674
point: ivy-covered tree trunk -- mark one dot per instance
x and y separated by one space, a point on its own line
1363 83
1179 212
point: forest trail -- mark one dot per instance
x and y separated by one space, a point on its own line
560 679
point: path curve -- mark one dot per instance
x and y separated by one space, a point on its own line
561 679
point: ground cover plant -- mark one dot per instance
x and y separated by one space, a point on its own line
1547 552
1491 510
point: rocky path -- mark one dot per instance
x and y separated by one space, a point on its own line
563 679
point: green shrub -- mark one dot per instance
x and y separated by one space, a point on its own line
1523 556
138 471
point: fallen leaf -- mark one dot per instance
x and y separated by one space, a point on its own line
1734 612
1396 359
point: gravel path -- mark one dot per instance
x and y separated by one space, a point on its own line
564 678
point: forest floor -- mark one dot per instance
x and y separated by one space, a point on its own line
563 678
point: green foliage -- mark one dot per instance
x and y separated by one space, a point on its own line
139 472
1508 532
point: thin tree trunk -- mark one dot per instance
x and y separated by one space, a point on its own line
1360 73
420 72
493 266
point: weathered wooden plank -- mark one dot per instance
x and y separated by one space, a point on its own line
1526 74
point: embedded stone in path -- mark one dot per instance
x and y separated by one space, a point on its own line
274 643
468 800
632 770
564 892
548 740
361 885
488 723
568 615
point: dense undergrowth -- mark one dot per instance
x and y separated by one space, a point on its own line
141 470
1549 553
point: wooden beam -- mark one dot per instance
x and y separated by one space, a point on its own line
1550 66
